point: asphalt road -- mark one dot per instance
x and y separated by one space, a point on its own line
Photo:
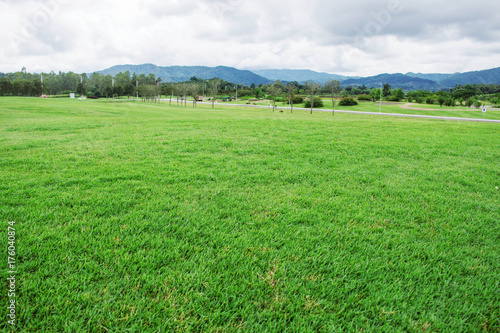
361 112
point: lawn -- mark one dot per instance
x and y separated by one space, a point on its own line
434 110
135 217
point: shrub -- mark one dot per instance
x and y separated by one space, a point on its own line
392 99
347 101
245 92
318 103
429 100
441 100
420 100
364 97
296 99
495 101
449 102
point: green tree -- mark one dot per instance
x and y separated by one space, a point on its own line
375 94
193 91
312 89
275 90
333 87
398 94
290 88
441 100
387 90
214 88
5 87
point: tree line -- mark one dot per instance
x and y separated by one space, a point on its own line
149 88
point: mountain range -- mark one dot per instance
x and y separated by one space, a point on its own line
184 73
408 81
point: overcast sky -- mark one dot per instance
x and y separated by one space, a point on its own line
355 37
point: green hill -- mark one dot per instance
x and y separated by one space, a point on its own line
396 81
184 73
299 75
489 76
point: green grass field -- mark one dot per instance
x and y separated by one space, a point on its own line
435 110
134 217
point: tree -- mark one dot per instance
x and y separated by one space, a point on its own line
333 87
375 94
387 90
194 90
214 88
148 91
441 100
274 90
37 87
129 89
80 89
169 90
312 88
398 94
18 87
183 90
5 87
290 88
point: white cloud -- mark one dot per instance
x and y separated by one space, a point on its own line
359 37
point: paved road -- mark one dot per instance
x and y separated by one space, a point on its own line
362 112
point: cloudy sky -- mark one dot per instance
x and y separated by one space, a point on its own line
350 37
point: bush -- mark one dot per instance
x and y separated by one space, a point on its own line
347 101
296 100
393 99
245 92
495 102
449 102
364 97
429 100
318 103
420 100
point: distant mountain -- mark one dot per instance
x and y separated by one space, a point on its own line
488 76
299 75
396 81
184 73
408 81
432 76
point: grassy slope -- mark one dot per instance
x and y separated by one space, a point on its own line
144 217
